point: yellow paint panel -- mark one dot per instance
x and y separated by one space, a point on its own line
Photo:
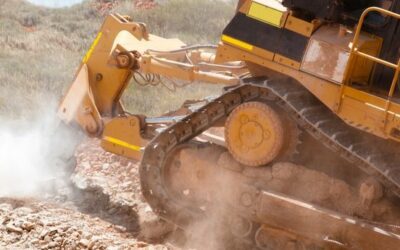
122 143
263 53
237 43
287 61
90 51
300 26
265 14
365 97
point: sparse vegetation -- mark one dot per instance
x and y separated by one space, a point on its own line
193 21
41 48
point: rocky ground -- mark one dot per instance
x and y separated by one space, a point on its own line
101 208
99 205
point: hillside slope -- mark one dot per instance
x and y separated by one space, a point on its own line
41 48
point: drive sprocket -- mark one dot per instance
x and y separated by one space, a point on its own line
258 133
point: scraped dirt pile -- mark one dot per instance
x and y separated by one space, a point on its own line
117 176
102 206
30 224
115 181
102 209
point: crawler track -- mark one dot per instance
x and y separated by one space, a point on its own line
351 144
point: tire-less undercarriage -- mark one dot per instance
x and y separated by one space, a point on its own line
300 150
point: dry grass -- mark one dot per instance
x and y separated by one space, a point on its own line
41 48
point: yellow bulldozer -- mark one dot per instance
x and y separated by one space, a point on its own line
300 78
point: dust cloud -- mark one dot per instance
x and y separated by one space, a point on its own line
34 154
213 231
212 188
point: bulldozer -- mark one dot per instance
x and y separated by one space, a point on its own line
304 82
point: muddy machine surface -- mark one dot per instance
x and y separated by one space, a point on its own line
306 83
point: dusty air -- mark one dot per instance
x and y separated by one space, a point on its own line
188 124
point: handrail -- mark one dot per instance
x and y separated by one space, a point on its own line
373 58
354 51
376 59
395 78
362 18
391 92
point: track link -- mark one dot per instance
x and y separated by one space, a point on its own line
366 151
310 114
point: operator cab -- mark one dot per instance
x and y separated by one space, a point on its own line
387 28
316 37
354 9
348 13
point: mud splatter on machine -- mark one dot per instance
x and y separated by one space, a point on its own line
302 76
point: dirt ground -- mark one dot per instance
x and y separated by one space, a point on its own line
101 207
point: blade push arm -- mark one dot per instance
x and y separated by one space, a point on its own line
120 49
